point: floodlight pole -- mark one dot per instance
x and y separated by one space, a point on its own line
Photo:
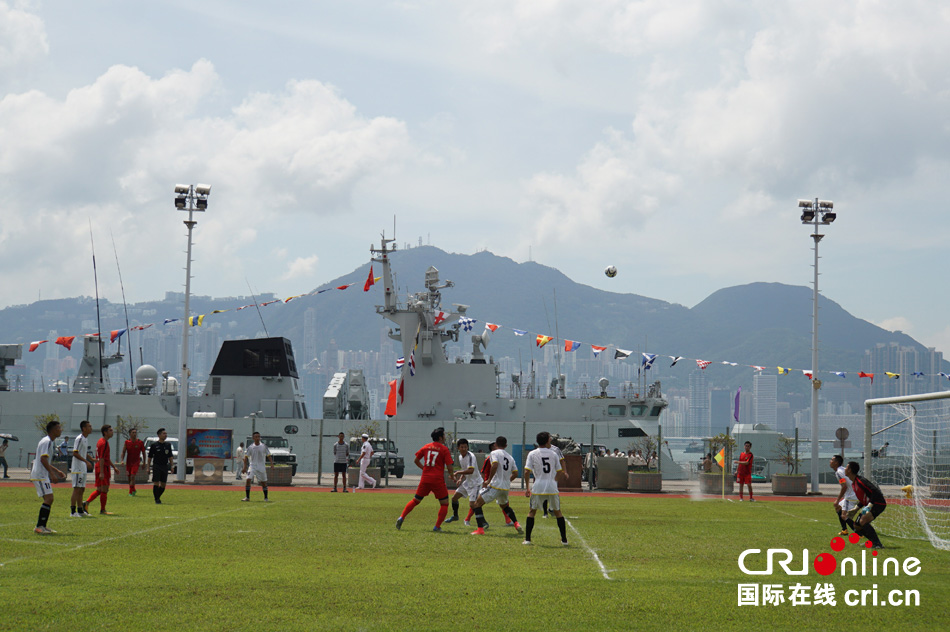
189 197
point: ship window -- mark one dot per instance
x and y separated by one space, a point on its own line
216 386
638 411
271 359
293 365
290 352
252 359
616 410
655 412
304 407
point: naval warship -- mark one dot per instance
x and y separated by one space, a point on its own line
254 386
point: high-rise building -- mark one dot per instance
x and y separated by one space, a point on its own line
764 402
697 419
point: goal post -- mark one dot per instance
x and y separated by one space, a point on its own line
911 464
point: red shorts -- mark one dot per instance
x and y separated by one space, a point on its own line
437 488
103 478
743 478
132 469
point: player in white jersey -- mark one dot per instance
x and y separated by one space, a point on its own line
560 457
846 504
503 471
363 461
79 468
255 465
43 471
469 481
546 466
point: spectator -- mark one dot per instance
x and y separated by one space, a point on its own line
3 459
707 463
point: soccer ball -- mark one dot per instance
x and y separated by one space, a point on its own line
611 271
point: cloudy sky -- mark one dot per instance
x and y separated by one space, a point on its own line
671 139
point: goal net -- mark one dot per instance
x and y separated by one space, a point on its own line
910 461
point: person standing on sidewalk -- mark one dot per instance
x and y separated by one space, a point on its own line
3 459
341 453
366 454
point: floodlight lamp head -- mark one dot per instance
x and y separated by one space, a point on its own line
201 204
808 217
180 202
805 204
203 189
182 188
827 218
828 204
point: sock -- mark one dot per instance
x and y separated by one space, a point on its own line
505 514
265 492
247 492
443 511
544 506
471 511
92 496
528 527
409 507
871 534
44 515
155 493
510 513
455 508
844 524
161 490
562 527
102 500
132 484
480 518
72 509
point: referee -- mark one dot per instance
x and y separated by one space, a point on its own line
159 459
341 453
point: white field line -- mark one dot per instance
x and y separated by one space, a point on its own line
593 553
769 505
118 537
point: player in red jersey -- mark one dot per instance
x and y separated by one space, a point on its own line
432 458
744 471
103 473
132 453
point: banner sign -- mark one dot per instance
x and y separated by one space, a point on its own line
209 443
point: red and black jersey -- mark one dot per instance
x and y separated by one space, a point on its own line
867 492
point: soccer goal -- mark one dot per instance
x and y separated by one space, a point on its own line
907 453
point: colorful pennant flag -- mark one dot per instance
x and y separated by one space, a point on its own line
221 311
942 374
917 374
35 344
370 282
400 362
542 340
343 287
174 320
571 345
519 332
596 350
893 376
702 364
721 457
492 327
807 373
840 373
870 375
729 363
391 402
675 359
412 362
66 341
440 318
782 371
142 327
402 390
621 353
467 323
647 362
116 333
197 321
738 393
286 300
757 368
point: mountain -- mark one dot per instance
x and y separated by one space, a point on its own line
759 323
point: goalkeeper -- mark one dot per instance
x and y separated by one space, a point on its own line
872 504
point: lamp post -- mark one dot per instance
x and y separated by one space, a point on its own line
811 211
191 198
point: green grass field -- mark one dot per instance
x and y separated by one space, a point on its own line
319 561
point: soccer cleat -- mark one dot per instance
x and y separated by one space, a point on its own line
478 531
333 490
74 515
85 506
243 500
509 524
527 542
518 528
132 493
741 500
843 532
105 513
267 500
752 500
346 491
467 523
544 516
878 547
83 514
158 502
398 523
486 526
451 519
39 531
437 529
563 543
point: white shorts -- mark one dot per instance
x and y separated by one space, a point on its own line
78 478
260 474
537 501
489 494
848 505
43 487
471 491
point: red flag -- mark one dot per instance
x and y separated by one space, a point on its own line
402 390
870 375
35 344
441 316
370 282
491 326
702 364
391 403
66 341
343 287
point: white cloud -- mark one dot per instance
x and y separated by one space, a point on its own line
302 267
22 36
897 323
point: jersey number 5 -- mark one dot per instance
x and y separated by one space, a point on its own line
545 466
